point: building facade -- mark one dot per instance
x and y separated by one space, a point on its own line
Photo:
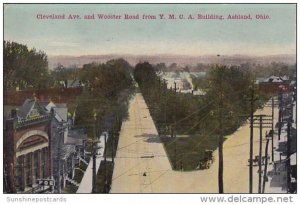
27 147
40 144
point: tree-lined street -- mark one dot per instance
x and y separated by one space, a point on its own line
142 166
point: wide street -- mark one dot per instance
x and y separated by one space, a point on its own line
141 159
142 166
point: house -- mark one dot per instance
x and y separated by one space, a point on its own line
274 79
67 144
71 83
273 84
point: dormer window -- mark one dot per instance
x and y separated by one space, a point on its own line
34 114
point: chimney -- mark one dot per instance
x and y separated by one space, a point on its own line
13 113
34 96
52 112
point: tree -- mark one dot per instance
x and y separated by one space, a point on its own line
216 90
105 87
228 87
24 67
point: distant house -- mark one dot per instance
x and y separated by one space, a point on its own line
71 83
273 79
198 92
273 84
183 81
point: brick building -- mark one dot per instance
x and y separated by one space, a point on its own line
274 84
27 147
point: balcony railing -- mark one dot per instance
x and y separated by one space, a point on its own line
32 121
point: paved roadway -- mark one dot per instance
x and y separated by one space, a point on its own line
142 166
137 144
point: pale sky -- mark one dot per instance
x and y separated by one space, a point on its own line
186 37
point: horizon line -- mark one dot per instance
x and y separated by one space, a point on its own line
171 54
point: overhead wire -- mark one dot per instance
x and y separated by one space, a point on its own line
196 145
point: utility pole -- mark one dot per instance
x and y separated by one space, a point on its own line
175 155
279 122
260 154
105 185
159 89
288 155
221 137
292 109
279 113
94 153
272 129
266 161
58 158
251 141
165 106
181 163
112 142
175 107
272 105
94 172
262 124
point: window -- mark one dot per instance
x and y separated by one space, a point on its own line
36 165
34 113
43 163
28 168
19 172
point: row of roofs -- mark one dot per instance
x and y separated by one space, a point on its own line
275 79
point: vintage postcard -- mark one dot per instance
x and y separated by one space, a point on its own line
150 98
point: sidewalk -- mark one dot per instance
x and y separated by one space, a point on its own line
86 182
275 183
277 180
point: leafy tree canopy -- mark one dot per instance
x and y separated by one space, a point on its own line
24 67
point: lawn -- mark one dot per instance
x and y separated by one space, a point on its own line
185 152
100 183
